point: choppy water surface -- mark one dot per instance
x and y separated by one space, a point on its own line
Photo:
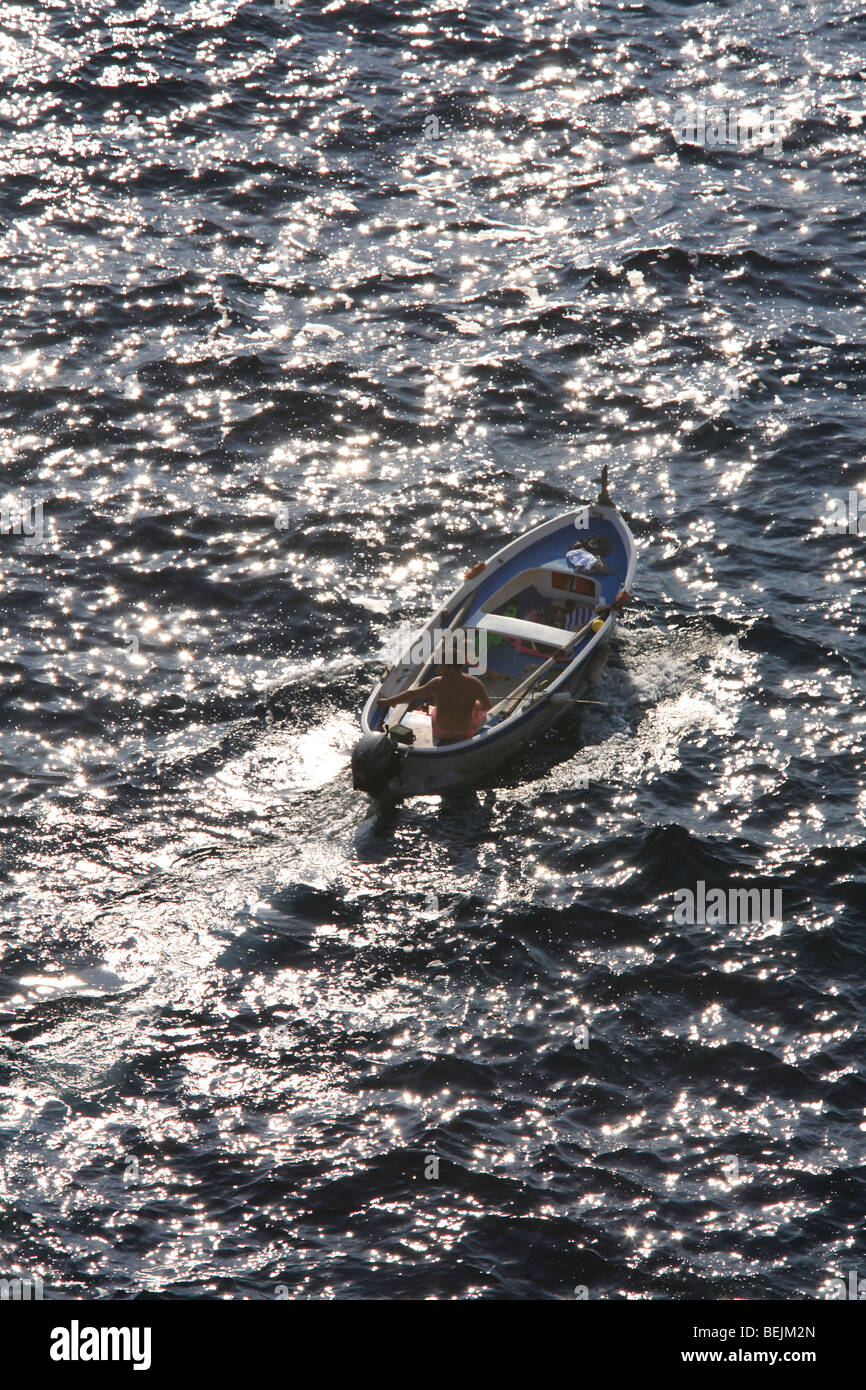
303 309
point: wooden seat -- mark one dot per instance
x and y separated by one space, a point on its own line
524 631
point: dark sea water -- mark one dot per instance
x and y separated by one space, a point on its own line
304 309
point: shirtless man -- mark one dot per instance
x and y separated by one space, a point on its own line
461 702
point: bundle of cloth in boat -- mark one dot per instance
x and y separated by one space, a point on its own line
588 557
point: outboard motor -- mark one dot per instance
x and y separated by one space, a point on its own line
375 763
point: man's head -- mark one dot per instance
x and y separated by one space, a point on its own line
449 667
454 650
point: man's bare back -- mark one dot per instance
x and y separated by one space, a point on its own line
455 696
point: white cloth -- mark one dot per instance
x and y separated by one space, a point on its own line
581 559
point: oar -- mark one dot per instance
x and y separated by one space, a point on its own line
565 699
395 715
507 704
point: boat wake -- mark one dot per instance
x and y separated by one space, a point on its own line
655 697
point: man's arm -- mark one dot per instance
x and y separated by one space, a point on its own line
423 692
481 694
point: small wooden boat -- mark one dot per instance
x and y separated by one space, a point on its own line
544 610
